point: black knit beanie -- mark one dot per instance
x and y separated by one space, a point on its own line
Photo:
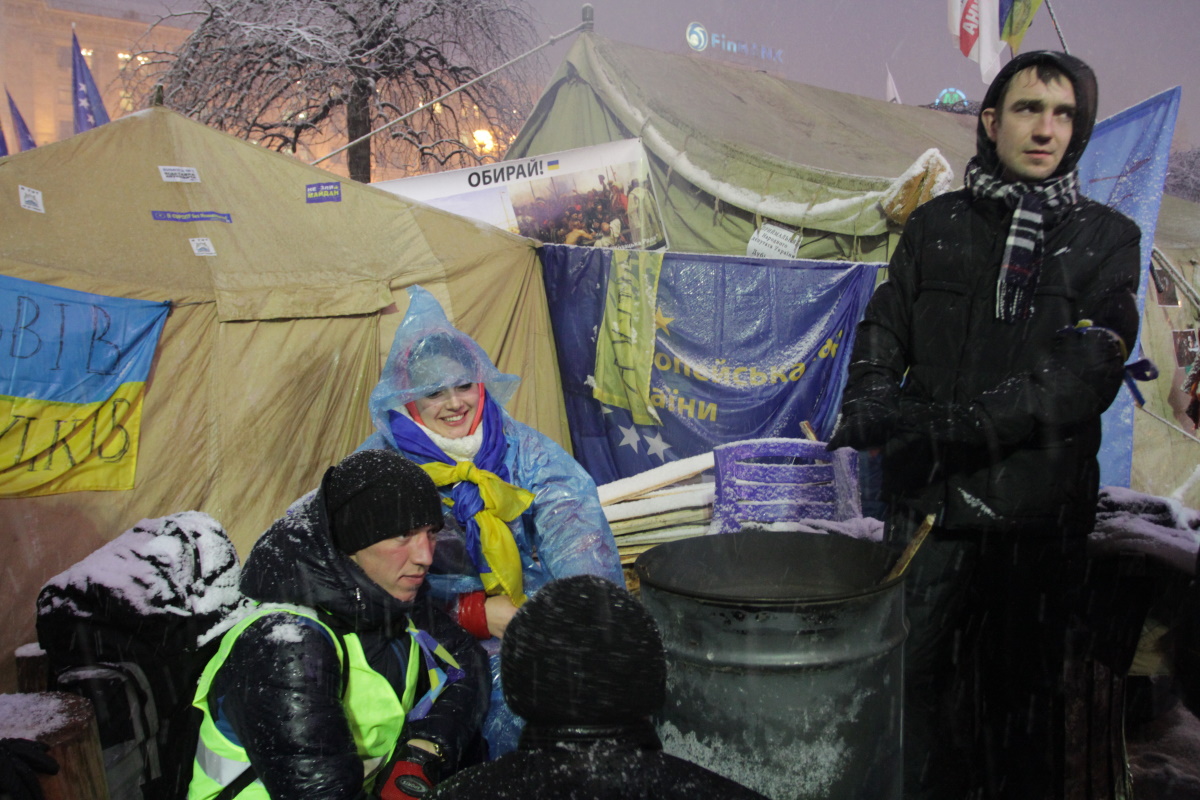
583 651
374 495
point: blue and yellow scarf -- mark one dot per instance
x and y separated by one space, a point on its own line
482 499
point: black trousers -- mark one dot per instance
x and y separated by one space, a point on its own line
1004 697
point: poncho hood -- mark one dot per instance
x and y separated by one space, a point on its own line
1082 79
428 354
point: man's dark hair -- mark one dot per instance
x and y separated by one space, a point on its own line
1047 72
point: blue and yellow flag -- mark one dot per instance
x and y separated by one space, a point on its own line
625 345
73 369
1125 167
1015 19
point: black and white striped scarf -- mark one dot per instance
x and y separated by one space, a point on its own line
1031 203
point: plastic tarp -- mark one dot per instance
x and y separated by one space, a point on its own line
272 345
731 147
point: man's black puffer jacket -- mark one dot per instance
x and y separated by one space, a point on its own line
281 688
1034 389
1038 386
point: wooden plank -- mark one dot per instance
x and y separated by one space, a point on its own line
677 497
664 520
651 479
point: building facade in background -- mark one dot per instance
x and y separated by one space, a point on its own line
35 58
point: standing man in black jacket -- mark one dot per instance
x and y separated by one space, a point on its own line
980 370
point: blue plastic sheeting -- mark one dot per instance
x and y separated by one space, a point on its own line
1124 167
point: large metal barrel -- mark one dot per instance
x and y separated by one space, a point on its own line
784 660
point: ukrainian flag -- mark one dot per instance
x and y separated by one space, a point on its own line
73 369
625 340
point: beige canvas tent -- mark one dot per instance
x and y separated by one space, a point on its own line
272 345
730 148
1166 452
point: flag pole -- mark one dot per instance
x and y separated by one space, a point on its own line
1057 29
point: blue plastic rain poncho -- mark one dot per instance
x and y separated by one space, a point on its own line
524 494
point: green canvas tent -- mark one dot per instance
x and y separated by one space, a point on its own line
730 148
272 345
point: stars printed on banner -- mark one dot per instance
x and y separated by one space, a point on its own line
629 437
655 446
81 100
661 321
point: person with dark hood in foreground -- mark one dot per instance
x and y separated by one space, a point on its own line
980 370
346 682
583 664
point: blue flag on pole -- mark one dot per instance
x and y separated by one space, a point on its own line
1124 167
665 355
24 137
89 108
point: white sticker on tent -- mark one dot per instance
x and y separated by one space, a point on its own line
203 246
31 199
179 174
774 241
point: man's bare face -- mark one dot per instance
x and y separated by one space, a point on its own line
1032 128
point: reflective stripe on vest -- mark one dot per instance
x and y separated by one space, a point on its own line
373 711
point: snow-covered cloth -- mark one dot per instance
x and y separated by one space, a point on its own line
563 532
181 567
1159 527
137 620
280 693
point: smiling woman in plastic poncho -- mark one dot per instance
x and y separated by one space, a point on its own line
520 511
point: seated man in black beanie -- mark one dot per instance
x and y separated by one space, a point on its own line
345 682
582 662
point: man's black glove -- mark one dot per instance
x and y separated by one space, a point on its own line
863 424
945 423
411 774
19 760
1091 353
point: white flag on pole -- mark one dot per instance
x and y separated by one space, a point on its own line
979 36
893 96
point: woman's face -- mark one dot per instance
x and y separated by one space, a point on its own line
449 412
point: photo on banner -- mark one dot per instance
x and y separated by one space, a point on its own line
599 196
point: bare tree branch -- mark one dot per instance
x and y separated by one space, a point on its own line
297 73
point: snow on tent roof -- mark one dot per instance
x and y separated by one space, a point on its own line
716 132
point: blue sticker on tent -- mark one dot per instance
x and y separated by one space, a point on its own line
323 192
191 216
